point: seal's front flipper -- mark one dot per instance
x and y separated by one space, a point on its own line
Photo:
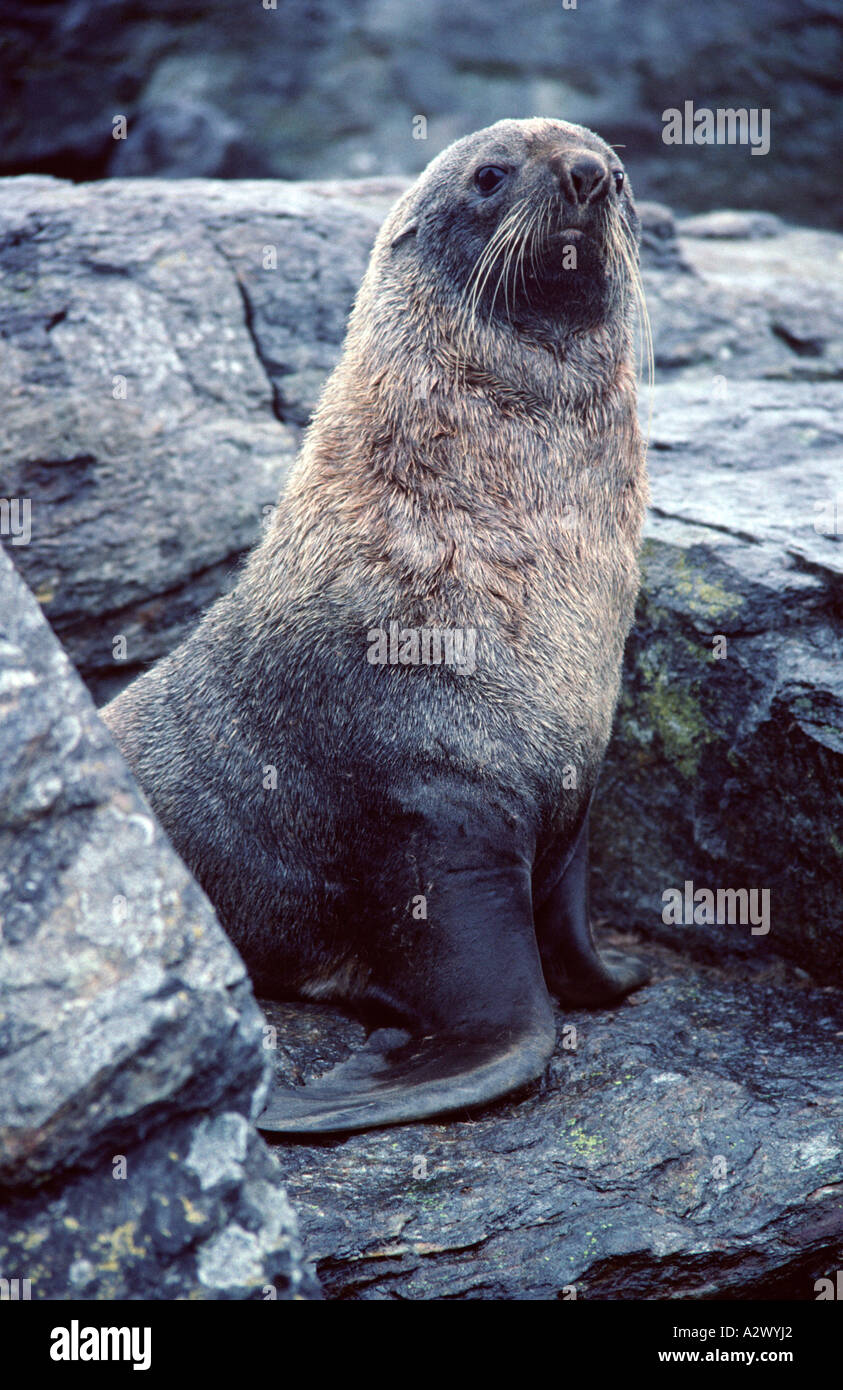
385 1084
467 980
574 969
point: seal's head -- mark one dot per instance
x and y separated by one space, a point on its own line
531 222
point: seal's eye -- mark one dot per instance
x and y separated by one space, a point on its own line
618 177
488 178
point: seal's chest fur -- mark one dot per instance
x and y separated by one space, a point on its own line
524 538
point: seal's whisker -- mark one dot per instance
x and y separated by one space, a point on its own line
486 263
626 259
506 245
641 302
467 303
534 229
552 210
482 268
513 258
496 247
525 246
512 246
528 243
485 259
522 252
496 244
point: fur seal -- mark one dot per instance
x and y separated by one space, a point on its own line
475 467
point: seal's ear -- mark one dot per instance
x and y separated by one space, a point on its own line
409 229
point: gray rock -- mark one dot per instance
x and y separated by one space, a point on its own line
178 138
131 1059
688 1144
335 90
141 421
660 249
195 1211
770 308
725 766
727 224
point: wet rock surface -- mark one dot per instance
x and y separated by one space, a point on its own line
131 1057
725 766
687 1144
141 421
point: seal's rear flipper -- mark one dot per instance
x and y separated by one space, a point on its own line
575 971
391 1081
466 978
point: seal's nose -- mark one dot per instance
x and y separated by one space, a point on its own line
589 177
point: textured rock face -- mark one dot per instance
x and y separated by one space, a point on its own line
287 89
688 1144
726 762
221 308
140 418
165 345
726 766
130 1042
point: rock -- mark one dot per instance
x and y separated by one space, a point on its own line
660 248
199 1214
726 764
140 415
769 308
131 1062
730 225
685 1145
179 138
337 90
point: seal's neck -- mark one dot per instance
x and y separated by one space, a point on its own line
418 471
411 333
428 410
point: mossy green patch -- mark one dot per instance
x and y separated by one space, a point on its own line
585 1146
668 706
701 595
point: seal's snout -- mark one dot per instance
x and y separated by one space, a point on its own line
583 176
